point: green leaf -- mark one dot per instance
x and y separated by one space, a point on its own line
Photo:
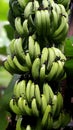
69 67
5 77
68 50
4 115
4 9
4 99
3 50
9 31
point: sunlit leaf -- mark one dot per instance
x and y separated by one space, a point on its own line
4 9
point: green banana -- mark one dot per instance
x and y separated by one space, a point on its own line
34 107
58 11
32 91
18 26
26 109
38 22
43 23
25 28
44 55
51 58
51 93
11 47
60 71
58 53
20 67
38 95
31 47
59 103
28 88
16 90
62 36
37 50
48 21
10 62
66 3
20 104
18 123
8 67
36 5
43 103
42 72
54 105
48 92
19 89
30 8
31 21
50 122
14 107
20 54
53 71
45 3
63 11
28 127
22 88
36 68
62 8
60 28
45 116
28 60
54 21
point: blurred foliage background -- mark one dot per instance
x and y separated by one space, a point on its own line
6 34
5 77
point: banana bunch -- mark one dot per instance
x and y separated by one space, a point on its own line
46 64
30 101
51 70
15 62
52 23
21 29
49 20
46 105
24 25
